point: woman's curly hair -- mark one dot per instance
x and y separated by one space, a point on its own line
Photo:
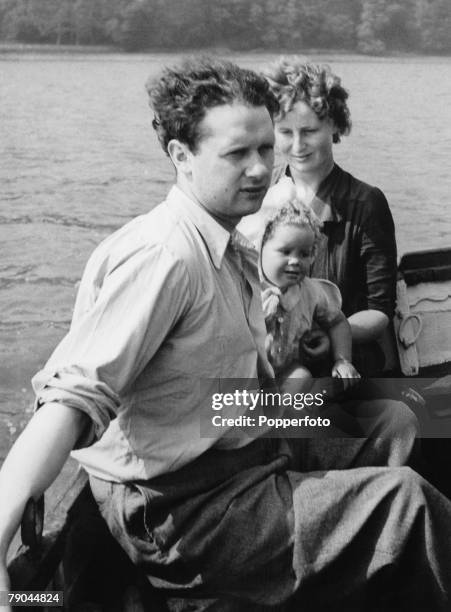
294 80
181 96
294 213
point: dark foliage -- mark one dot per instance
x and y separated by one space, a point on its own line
367 26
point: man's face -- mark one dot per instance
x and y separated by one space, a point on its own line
230 171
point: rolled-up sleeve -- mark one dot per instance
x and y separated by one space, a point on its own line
135 304
378 252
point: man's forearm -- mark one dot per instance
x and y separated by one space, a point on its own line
34 462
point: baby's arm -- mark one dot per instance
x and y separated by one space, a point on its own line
314 345
341 344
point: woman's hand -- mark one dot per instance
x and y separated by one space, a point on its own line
346 371
314 346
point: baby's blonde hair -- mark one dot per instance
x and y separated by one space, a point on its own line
294 212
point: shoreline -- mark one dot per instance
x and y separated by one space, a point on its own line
7 48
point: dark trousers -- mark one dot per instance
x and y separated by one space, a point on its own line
316 524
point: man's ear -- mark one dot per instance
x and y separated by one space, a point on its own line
180 156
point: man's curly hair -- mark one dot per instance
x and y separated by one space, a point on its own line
181 96
294 80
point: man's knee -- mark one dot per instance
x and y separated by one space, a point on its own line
396 419
393 432
406 417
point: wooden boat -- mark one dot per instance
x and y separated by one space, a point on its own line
65 556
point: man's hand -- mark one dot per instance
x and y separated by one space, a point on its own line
314 346
346 371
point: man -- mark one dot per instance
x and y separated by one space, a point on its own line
167 306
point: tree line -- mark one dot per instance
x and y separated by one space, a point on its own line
365 26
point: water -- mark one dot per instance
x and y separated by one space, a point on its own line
79 159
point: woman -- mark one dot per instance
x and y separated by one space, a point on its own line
357 250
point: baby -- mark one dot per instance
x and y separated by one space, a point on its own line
293 302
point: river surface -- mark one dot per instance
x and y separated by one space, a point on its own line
79 159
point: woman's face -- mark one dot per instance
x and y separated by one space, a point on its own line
306 141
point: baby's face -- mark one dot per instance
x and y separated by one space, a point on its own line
287 255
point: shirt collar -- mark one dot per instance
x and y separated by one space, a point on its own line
323 204
216 238
329 193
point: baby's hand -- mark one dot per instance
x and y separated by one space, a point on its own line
346 371
314 345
